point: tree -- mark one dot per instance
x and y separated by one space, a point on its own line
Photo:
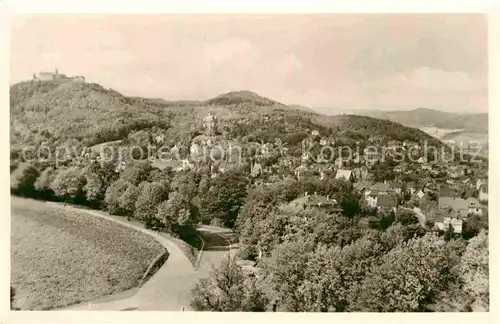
94 185
395 235
433 196
23 179
185 184
270 231
12 298
302 275
165 214
140 141
285 273
248 227
332 273
151 195
350 205
165 174
386 220
128 199
449 233
228 289
473 225
44 181
204 185
113 194
474 271
174 212
137 172
408 278
407 218
225 198
68 183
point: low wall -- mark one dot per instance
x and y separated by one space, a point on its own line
191 252
154 266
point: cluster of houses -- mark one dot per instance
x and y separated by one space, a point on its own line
316 201
441 183
445 179
453 211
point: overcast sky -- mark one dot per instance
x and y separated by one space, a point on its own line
337 61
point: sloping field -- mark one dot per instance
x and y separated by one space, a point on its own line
61 257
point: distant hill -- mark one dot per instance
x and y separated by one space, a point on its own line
239 97
475 123
55 112
303 108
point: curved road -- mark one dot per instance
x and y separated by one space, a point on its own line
219 245
169 289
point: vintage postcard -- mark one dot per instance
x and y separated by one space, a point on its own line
249 163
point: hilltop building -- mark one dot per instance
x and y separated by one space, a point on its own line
49 76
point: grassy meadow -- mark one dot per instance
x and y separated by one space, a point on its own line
61 257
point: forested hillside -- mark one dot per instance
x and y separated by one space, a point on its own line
474 123
57 111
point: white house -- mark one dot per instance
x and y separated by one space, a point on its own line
346 175
339 162
480 182
463 207
160 139
185 165
445 220
474 207
381 189
446 217
256 170
426 167
398 169
483 193
420 194
384 201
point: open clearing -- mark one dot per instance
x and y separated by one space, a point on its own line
61 257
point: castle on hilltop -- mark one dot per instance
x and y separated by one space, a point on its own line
48 76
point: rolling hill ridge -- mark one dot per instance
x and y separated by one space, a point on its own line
475 123
57 111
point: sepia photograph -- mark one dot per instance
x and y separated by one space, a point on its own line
249 162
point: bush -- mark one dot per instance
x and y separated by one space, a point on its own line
112 196
248 252
68 183
23 179
151 195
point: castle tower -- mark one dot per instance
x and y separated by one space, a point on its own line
210 124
